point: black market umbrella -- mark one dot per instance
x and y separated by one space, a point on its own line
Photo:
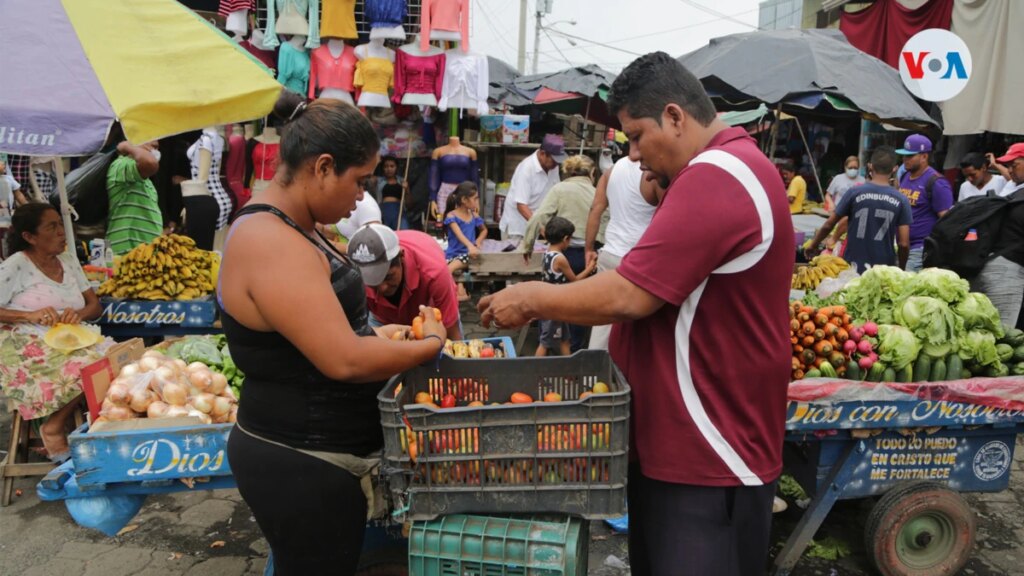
812 72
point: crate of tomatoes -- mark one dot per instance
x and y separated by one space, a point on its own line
504 435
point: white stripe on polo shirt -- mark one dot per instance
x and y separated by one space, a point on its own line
691 398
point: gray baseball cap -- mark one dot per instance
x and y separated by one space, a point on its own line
371 249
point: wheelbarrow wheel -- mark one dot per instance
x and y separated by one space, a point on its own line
920 529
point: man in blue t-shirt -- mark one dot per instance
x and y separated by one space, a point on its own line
930 194
877 218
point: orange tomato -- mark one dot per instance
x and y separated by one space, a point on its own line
585 394
424 398
475 403
521 398
417 328
552 397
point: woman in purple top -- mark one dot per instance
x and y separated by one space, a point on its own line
466 230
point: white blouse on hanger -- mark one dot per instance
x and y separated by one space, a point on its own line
466 82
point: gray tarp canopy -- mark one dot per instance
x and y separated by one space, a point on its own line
590 82
815 70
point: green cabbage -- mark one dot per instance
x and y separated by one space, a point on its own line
980 347
934 324
977 312
937 283
897 346
873 295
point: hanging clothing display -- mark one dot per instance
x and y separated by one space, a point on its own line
291 12
254 46
418 75
236 14
263 159
328 71
293 68
445 15
991 100
338 19
214 142
466 82
449 171
386 16
883 28
234 168
374 76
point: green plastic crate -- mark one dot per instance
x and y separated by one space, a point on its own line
463 545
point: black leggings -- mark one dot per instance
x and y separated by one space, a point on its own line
201 214
686 530
312 513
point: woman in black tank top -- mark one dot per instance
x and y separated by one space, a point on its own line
295 317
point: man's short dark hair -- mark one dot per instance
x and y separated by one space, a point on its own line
787 166
883 160
974 160
654 81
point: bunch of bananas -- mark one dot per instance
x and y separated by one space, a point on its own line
821 267
168 268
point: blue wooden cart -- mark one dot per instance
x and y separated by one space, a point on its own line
916 456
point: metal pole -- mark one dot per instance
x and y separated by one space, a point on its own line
521 65
536 39
810 157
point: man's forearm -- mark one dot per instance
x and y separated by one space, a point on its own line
593 223
607 298
524 210
903 253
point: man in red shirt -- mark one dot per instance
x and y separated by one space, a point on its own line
702 331
403 271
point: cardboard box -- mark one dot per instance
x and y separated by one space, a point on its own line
505 128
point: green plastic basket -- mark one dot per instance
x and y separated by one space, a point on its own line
463 545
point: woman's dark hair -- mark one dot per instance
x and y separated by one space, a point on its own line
462 192
323 127
654 81
26 218
558 229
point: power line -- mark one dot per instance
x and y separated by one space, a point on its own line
713 12
552 40
494 28
595 43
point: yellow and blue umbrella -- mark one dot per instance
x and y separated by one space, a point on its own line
71 68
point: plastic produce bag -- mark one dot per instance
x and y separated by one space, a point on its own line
108 514
87 189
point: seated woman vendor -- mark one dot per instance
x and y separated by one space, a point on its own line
41 286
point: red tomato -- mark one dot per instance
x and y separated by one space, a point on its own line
448 401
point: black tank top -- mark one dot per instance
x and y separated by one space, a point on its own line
285 398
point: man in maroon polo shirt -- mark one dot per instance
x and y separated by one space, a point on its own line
403 271
702 329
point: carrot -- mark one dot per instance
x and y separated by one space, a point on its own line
839 310
823 348
793 340
798 375
798 348
820 319
835 321
807 310
809 328
842 335
794 326
827 311
803 317
808 341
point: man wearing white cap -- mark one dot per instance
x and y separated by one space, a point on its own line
403 271
530 184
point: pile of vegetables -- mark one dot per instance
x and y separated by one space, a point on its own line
818 336
212 351
931 327
158 386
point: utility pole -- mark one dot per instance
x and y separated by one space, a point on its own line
536 38
521 65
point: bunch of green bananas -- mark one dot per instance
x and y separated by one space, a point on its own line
168 268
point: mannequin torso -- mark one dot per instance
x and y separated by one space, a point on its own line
264 159
418 75
450 165
332 71
374 73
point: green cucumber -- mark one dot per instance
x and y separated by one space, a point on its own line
853 371
812 373
876 372
889 375
923 368
939 371
965 374
906 374
827 371
954 367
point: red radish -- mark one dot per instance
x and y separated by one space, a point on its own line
873 356
849 347
865 363
864 347
870 328
856 334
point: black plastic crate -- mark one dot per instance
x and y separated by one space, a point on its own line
566 457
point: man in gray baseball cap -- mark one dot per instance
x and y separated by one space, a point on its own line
403 271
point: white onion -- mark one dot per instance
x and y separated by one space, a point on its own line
118 393
149 363
205 418
166 372
201 379
129 370
154 354
174 393
180 365
203 402
141 399
233 416
222 419
176 412
221 406
119 413
218 383
196 366
229 393
158 409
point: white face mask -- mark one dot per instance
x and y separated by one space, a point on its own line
851 173
156 154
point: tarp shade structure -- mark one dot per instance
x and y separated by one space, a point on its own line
992 100
807 72
579 90
882 28
76 66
